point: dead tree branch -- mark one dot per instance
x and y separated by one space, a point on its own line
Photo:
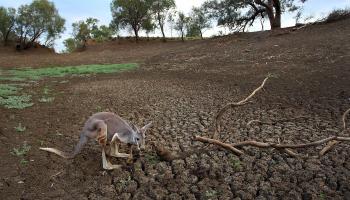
233 105
331 141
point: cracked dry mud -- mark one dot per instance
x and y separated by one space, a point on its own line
180 89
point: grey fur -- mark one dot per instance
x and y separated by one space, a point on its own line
114 125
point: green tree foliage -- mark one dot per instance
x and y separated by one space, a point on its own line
192 30
148 26
37 20
237 14
181 24
7 23
198 22
161 8
102 33
70 45
82 31
86 30
131 13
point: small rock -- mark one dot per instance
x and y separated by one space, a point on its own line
125 196
306 196
347 195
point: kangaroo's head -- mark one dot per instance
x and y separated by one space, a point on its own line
139 136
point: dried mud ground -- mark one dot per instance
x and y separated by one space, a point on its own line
180 87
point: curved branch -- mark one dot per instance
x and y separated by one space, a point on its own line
233 105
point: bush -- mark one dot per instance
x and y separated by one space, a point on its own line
337 15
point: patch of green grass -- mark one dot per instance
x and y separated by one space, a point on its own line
11 78
9 97
21 151
17 102
35 74
8 89
20 128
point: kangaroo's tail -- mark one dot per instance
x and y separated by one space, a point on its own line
82 141
58 152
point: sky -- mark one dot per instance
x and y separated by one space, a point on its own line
75 10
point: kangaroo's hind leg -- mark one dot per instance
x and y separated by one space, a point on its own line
102 139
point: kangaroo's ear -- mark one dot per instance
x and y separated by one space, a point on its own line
147 126
134 127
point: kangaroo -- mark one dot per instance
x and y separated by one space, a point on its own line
106 128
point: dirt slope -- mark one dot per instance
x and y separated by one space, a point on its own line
180 87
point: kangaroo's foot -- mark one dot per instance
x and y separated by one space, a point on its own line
106 164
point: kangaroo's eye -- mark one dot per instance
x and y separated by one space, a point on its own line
137 139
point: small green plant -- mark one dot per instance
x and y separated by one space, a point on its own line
46 91
98 109
21 151
124 182
322 196
152 159
23 161
46 99
236 164
41 142
210 194
20 128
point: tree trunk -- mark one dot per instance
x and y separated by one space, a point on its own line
275 15
182 36
6 38
162 29
200 31
273 11
136 34
161 25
